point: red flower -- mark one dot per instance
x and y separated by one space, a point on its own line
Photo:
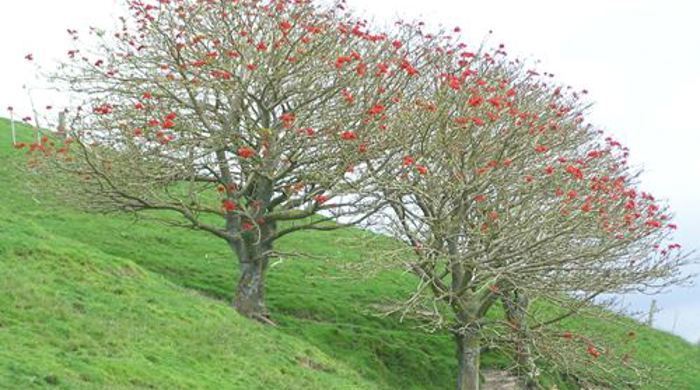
348 135
475 101
171 116
593 351
595 154
262 46
341 60
376 109
549 170
572 194
410 70
541 148
287 119
153 122
147 95
455 83
575 172
103 109
139 106
138 132
321 199
672 226
228 205
480 198
478 121
168 124
285 25
246 152
397 44
422 169
408 160
653 224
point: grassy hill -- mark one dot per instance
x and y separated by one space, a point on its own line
95 301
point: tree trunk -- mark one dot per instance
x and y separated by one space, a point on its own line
468 352
253 260
516 305
250 292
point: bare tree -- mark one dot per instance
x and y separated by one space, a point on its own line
503 193
244 119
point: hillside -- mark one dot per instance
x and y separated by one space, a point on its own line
95 301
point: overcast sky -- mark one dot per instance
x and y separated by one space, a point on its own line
640 60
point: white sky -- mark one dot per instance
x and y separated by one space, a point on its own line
640 59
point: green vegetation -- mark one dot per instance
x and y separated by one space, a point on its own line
104 301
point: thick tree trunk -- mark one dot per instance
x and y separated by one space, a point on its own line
250 291
468 354
253 259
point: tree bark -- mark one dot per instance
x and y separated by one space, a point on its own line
253 260
468 355
516 305
250 291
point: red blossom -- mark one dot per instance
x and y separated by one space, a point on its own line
422 169
475 101
653 224
376 109
541 148
575 172
168 124
321 199
593 351
228 205
285 25
480 198
288 119
246 152
348 135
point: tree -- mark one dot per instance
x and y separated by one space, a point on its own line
504 194
242 119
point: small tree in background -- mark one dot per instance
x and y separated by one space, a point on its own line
244 119
502 193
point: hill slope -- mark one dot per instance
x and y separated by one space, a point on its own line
91 301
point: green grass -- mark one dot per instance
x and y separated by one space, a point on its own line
104 301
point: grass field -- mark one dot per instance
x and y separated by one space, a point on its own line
104 301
